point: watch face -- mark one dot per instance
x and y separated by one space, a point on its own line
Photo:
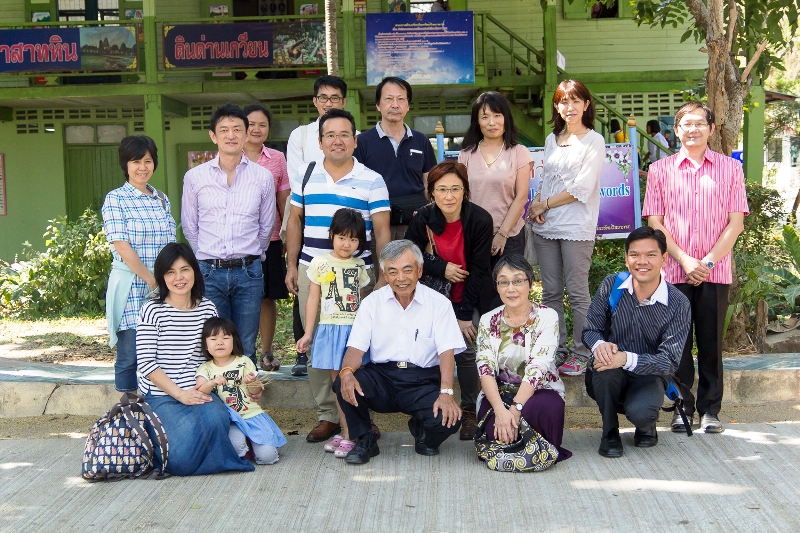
518 406
710 264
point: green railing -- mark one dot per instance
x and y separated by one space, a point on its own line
519 52
599 102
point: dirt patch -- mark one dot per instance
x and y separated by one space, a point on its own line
62 340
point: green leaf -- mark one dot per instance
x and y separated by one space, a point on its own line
791 243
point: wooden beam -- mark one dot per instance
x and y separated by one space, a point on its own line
173 107
636 76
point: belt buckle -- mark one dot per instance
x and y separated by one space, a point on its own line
402 364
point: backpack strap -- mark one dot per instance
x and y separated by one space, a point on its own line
303 131
616 292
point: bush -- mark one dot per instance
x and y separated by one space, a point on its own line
68 279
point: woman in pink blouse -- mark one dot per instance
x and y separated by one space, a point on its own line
499 171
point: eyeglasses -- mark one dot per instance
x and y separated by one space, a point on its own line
689 126
323 99
444 191
342 136
504 283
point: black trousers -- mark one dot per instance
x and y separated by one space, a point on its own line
618 391
389 389
709 303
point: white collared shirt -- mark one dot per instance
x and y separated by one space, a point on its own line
417 334
299 152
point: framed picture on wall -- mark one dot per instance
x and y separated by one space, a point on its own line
220 10
40 16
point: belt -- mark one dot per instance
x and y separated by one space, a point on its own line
231 263
402 364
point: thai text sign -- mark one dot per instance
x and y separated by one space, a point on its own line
253 45
422 48
104 48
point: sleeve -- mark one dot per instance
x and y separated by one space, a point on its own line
170 221
363 275
523 156
147 340
668 356
584 184
313 271
485 357
447 335
738 198
296 185
361 333
190 212
594 329
114 218
282 179
542 354
249 366
654 193
416 233
479 260
204 371
294 153
378 197
463 158
430 156
619 137
266 213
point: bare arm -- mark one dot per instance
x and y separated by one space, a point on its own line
131 258
186 397
312 305
727 238
280 201
349 383
294 240
451 412
383 234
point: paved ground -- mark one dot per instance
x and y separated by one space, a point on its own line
745 479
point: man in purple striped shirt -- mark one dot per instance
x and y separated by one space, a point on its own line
227 215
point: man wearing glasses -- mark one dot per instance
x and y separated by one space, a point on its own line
697 198
336 181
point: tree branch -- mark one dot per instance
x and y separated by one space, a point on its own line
700 13
760 48
733 14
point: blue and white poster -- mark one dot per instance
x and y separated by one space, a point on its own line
422 48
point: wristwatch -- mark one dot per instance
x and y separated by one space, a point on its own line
446 391
517 406
709 264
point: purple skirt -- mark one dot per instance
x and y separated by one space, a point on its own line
544 412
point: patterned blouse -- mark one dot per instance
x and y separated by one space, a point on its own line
517 354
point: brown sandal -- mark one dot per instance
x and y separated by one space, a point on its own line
269 363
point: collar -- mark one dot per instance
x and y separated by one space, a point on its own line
661 295
358 168
419 295
265 152
434 218
382 133
682 156
215 162
133 190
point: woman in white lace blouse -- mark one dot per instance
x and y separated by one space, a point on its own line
564 214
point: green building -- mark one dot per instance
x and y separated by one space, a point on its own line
59 129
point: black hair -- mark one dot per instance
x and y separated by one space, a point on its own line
330 81
216 325
350 223
694 105
252 108
514 262
496 103
336 113
135 147
614 126
654 126
646 232
227 110
166 258
397 81
572 89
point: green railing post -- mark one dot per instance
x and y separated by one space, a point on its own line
150 42
550 62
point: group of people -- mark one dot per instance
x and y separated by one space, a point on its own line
404 272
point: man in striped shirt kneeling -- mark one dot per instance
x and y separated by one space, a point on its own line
636 329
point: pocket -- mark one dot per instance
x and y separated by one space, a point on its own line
205 270
254 270
423 347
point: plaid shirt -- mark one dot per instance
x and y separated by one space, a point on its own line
141 221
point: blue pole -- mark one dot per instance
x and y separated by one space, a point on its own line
637 203
439 142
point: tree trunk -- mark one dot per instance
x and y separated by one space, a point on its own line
331 38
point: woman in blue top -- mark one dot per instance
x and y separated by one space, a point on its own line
138 224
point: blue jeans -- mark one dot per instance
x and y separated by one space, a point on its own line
125 364
237 293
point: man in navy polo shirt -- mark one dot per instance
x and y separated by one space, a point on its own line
401 155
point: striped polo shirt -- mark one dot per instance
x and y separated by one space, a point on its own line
695 203
169 339
361 189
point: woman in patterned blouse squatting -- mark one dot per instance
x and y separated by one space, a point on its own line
138 224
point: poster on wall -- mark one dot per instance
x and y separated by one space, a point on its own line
422 48
107 48
254 45
3 211
40 16
199 157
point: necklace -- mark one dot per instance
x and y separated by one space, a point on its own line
490 163
525 321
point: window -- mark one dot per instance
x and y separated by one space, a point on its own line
775 151
616 9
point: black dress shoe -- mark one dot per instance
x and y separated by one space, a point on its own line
365 448
645 438
419 438
611 445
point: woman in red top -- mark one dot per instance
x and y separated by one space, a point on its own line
462 238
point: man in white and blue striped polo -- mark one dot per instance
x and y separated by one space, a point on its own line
337 181
636 328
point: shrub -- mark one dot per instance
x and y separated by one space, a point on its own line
68 279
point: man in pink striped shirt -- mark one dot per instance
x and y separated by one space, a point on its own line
697 198
227 215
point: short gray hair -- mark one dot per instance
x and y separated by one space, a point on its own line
395 249
515 262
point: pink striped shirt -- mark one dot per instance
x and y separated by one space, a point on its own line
222 222
695 203
275 162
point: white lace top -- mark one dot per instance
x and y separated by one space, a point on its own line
574 168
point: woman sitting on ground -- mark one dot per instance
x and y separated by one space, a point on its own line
168 344
516 361
462 235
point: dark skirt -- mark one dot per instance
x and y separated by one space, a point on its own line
274 269
197 436
544 412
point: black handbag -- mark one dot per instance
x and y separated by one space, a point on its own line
440 284
530 453
404 207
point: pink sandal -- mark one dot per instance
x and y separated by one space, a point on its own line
344 447
333 444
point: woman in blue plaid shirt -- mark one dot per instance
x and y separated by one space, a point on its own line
138 224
